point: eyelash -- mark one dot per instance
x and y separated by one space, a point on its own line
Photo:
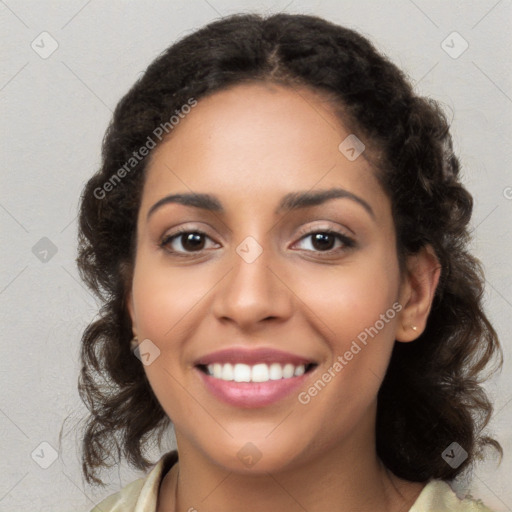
347 241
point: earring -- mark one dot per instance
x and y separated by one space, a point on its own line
414 328
134 343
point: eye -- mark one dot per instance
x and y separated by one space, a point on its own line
183 241
324 240
190 241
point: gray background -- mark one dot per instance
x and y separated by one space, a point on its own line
54 111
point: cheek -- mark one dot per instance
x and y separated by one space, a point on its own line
163 299
164 296
356 310
351 298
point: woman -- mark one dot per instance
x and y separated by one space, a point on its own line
279 236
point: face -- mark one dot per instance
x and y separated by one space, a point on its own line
301 298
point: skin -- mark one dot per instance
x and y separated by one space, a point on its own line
249 145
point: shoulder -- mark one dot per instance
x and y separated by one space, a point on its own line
124 500
438 496
140 495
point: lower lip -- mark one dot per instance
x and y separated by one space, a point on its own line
251 394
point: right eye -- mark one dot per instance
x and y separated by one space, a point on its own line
191 241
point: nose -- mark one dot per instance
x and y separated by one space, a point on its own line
253 292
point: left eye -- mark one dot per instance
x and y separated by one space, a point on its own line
323 241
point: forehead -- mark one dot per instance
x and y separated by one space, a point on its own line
252 142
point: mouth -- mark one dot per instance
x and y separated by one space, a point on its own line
257 373
253 378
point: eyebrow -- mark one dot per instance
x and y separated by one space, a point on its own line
291 201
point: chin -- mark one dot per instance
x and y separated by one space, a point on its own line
257 457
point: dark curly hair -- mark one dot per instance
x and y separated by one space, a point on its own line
431 395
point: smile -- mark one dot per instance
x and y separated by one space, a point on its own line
261 372
253 377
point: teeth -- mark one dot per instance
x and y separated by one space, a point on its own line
260 372
242 373
299 370
217 371
288 371
276 371
227 372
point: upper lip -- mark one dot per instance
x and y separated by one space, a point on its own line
252 356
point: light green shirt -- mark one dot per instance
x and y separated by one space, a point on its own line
142 494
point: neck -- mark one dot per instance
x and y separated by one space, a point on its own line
341 478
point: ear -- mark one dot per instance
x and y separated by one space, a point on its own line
126 271
131 310
417 293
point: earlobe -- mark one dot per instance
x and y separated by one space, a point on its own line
418 291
